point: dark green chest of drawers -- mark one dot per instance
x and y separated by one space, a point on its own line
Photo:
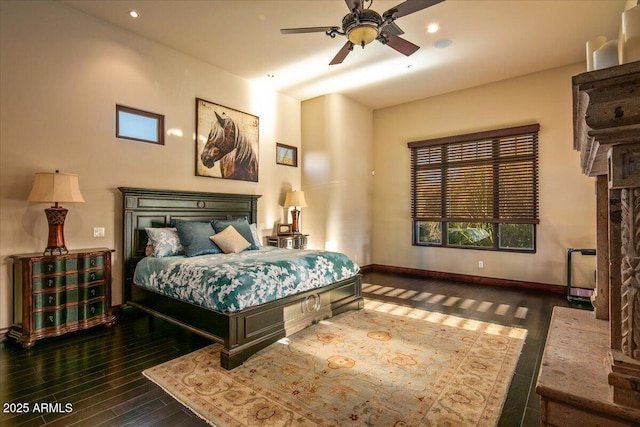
56 294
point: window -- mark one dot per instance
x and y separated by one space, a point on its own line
139 125
477 190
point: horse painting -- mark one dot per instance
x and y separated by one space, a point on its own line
227 144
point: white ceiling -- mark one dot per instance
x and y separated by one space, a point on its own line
492 40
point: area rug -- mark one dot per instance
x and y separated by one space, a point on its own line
385 365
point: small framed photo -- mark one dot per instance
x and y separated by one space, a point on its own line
286 155
139 125
283 229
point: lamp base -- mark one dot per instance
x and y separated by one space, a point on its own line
295 227
56 216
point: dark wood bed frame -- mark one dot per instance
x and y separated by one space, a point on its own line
242 333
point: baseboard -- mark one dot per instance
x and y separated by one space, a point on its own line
3 334
466 278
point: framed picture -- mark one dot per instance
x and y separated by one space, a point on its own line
286 155
139 125
283 229
226 142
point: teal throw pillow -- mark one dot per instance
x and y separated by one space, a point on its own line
194 236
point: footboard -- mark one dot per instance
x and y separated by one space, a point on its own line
253 329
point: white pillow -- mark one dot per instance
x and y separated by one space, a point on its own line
165 242
230 241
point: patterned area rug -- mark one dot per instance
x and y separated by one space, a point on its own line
385 365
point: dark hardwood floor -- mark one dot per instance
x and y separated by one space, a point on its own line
98 372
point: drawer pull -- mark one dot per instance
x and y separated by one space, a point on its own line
92 276
50 267
50 283
92 262
50 299
51 319
93 292
93 310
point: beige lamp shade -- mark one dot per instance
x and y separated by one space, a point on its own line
296 199
55 188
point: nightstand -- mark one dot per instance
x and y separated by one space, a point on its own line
56 294
290 241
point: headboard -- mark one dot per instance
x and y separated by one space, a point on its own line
144 208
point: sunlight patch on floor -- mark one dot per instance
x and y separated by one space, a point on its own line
395 292
521 312
422 296
453 321
494 329
451 301
407 294
448 320
484 306
383 290
368 287
436 299
467 303
443 300
502 309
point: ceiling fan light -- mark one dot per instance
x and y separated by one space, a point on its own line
363 35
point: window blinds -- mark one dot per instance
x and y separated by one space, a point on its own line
482 177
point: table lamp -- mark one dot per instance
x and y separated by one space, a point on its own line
55 188
295 199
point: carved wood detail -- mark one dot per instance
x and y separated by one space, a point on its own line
615 271
630 267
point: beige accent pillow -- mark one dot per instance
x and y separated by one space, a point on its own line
230 241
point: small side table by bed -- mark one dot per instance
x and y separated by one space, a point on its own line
289 241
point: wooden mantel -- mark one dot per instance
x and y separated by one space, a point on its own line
606 112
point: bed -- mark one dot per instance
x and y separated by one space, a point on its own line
244 331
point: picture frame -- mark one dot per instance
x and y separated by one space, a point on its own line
286 155
226 142
139 125
283 229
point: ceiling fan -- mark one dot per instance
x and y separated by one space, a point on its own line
364 25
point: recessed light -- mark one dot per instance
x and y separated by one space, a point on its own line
433 28
442 43
134 14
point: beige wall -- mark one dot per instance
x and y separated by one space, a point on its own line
567 198
336 177
62 74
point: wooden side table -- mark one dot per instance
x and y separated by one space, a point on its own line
290 241
56 294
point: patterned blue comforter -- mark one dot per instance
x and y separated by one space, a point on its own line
233 282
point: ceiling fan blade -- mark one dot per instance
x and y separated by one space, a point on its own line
392 28
354 4
348 47
307 30
401 45
408 7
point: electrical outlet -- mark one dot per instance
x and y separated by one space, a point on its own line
480 264
98 231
